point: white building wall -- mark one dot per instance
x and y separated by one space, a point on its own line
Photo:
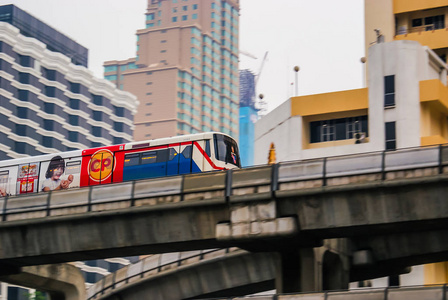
408 61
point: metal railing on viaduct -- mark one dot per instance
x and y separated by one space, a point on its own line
375 199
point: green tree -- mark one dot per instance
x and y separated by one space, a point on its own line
36 296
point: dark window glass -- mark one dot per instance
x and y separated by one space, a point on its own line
49 125
24 77
119 111
95 145
50 91
340 129
417 22
49 74
96 131
98 100
187 152
75 87
207 147
25 61
70 148
226 150
22 112
73 120
118 126
97 115
389 90
73 136
49 108
118 140
74 103
23 95
149 157
47 141
390 136
132 159
172 154
20 147
21 129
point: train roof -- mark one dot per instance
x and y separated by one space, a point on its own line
78 153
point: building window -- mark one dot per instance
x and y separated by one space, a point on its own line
118 140
21 129
150 17
194 16
73 136
184 18
429 23
95 144
73 120
97 115
389 91
119 111
22 95
148 25
24 78
49 108
74 103
49 74
96 131
391 140
20 147
47 141
118 126
174 19
25 60
111 77
185 8
110 68
97 100
50 91
337 129
22 112
195 6
49 125
75 87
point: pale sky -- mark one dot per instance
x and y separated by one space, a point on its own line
325 38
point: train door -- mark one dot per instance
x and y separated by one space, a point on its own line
8 181
172 167
185 158
154 163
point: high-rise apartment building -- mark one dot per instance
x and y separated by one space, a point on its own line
185 73
50 102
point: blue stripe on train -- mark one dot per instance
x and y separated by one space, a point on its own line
160 169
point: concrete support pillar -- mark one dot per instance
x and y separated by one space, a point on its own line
296 272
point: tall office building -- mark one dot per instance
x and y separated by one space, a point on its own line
50 102
185 73
423 21
248 117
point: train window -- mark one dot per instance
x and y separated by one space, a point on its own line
207 147
187 152
173 154
73 167
226 150
162 155
132 159
149 157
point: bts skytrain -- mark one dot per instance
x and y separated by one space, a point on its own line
185 154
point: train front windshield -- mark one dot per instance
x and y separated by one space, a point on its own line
226 149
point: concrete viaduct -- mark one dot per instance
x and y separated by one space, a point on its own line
284 208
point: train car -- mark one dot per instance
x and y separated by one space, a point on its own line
185 154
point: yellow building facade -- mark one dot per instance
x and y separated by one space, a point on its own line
424 21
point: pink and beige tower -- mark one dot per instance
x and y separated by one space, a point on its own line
185 73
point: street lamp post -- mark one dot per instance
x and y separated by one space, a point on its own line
363 61
296 69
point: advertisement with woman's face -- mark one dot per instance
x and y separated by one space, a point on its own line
59 174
